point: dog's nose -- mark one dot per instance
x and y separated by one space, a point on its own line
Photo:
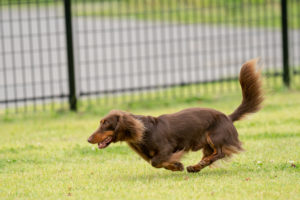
89 140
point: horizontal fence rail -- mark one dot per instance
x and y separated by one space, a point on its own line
112 52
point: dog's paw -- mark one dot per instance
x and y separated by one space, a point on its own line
176 166
192 169
179 166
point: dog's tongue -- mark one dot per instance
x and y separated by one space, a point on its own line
104 143
101 145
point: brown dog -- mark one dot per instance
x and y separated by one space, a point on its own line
163 140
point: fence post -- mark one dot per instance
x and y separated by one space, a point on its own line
285 43
70 56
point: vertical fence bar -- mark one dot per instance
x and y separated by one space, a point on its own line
285 43
71 70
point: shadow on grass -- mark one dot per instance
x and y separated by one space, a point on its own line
240 171
175 176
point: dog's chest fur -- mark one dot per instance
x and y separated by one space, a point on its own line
142 150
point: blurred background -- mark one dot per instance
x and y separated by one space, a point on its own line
74 54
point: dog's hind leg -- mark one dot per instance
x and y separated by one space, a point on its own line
210 155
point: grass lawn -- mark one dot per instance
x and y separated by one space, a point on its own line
251 13
47 157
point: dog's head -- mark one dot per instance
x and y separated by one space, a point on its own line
117 126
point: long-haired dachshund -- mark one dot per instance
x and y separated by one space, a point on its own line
163 140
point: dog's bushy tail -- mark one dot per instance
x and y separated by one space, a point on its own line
251 85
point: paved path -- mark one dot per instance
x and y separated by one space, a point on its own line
115 54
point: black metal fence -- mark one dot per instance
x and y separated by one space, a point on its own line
53 52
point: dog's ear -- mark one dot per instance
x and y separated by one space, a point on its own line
129 129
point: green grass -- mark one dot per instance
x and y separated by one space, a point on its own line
255 13
46 156
252 13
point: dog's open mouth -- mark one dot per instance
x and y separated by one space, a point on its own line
105 143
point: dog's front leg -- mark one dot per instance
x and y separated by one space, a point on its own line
162 160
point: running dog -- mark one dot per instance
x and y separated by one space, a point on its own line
163 140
